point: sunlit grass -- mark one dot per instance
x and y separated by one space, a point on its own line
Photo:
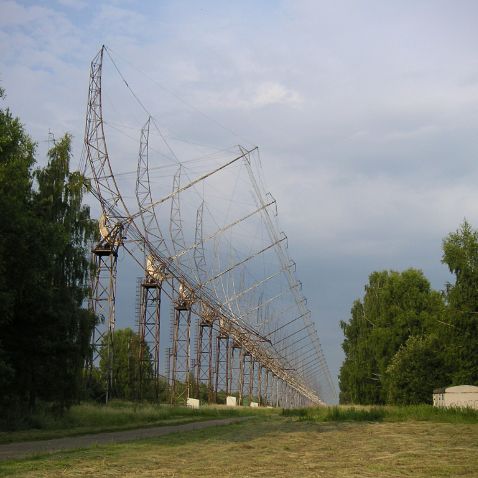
119 415
387 413
276 446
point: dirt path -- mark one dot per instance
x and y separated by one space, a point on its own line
12 451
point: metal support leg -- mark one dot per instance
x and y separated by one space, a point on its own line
180 355
222 365
266 389
102 305
259 384
251 378
149 333
242 365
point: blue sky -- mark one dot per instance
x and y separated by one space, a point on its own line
366 113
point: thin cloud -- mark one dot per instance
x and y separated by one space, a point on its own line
251 98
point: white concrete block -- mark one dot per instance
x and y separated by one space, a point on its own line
231 401
192 403
254 404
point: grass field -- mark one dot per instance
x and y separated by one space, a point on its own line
387 413
275 445
118 415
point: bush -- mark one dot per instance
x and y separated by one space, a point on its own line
414 371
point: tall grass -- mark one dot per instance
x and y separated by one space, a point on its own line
117 415
432 414
385 413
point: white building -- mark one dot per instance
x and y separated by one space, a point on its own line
459 396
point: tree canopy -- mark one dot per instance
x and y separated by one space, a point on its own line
405 339
44 237
460 254
395 307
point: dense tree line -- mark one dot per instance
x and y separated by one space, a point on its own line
404 339
45 233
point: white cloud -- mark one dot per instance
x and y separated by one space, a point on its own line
275 93
251 97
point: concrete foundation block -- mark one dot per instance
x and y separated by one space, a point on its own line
192 403
231 401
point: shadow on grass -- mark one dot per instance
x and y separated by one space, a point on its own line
337 414
242 432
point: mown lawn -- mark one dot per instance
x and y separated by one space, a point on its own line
278 446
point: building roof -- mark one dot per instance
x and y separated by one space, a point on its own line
462 389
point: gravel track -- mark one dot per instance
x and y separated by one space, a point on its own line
17 450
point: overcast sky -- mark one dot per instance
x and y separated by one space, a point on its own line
366 113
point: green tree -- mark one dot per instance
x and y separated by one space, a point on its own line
460 254
66 231
126 365
395 306
44 234
415 370
16 161
357 379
